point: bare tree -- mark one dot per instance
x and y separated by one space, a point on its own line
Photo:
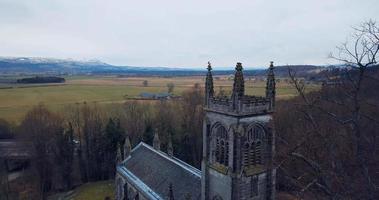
4 184
64 155
94 140
42 128
134 119
75 118
360 55
170 87
362 50
338 139
5 130
191 116
145 83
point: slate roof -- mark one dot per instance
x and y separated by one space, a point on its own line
161 95
13 149
152 171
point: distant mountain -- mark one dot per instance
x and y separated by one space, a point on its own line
28 66
50 66
56 66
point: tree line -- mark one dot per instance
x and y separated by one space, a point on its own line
327 140
42 79
80 144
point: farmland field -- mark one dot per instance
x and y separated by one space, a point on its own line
16 100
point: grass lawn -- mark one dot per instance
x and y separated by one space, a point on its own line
89 191
95 191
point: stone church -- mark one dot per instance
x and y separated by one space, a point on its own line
238 147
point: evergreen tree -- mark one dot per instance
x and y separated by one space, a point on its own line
114 138
65 154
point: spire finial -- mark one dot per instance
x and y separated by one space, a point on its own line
156 141
209 85
270 85
239 83
170 148
170 192
239 66
127 147
118 156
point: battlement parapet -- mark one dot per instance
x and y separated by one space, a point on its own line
246 105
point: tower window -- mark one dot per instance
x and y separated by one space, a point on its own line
246 153
252 151
252 154
221 145
222 153
218 147
257 153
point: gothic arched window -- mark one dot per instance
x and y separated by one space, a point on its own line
245 151
221 144
252 149
257 152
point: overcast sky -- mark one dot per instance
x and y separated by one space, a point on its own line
181 33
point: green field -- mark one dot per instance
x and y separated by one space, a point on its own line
17 100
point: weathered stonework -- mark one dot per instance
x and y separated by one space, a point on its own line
238 143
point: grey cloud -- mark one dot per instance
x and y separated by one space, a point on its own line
181 33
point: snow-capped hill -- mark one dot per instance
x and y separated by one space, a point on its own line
41 60
51 65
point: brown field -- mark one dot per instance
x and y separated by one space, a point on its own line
16 100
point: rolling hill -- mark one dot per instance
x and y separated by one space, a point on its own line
50 66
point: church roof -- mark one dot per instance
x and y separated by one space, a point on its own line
152 171
15 149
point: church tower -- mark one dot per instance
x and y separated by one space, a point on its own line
238 142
